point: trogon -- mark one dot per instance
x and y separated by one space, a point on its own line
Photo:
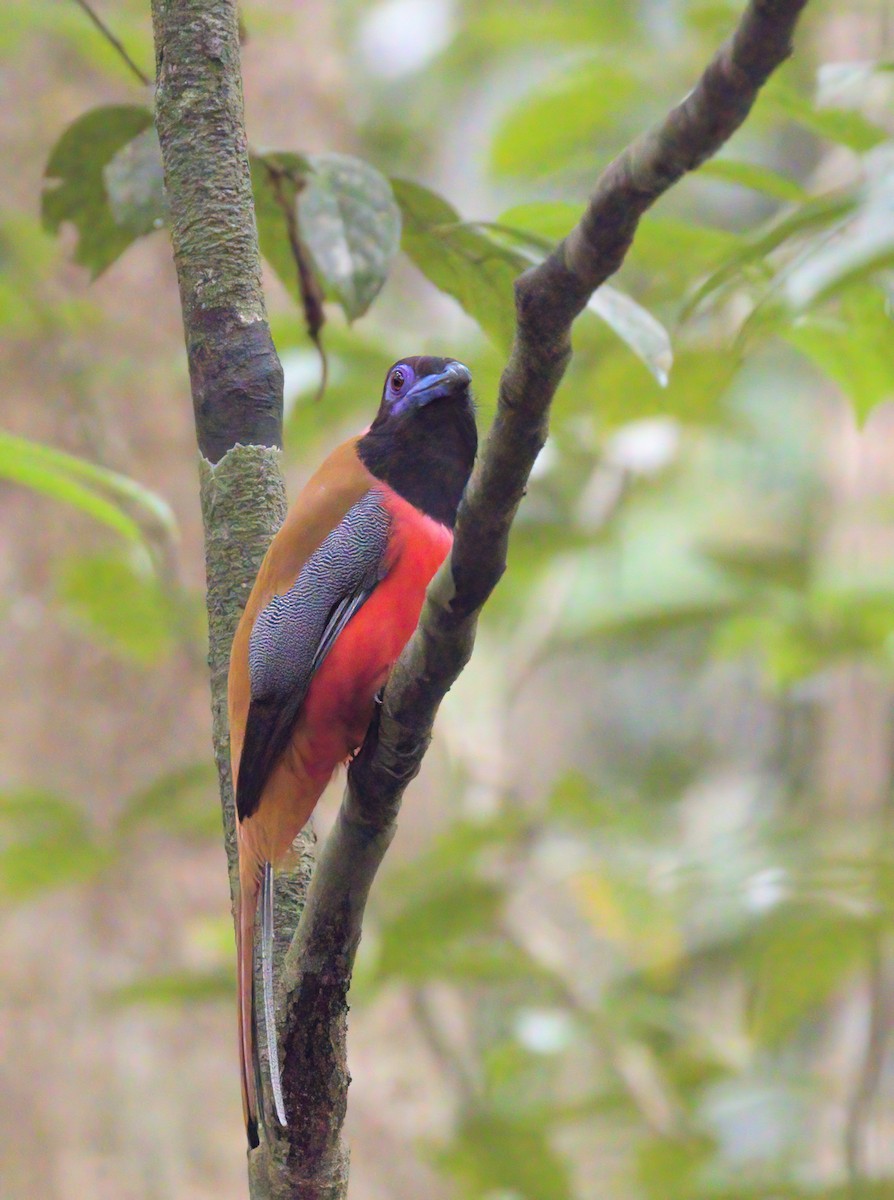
336 598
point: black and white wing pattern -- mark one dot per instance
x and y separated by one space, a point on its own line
293 634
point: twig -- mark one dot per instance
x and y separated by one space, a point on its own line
630 1063
548 299
452 1065
871 1066
878 985
308 284
114 42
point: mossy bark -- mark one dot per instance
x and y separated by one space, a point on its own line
243 504
236 383
235 375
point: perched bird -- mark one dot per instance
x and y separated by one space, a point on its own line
336 599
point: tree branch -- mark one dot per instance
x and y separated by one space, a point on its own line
548 299
116 44
308 285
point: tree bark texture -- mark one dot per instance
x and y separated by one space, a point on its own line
235 375
234 372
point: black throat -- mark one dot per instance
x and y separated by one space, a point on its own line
426 455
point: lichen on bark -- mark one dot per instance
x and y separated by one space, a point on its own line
243 505
235 374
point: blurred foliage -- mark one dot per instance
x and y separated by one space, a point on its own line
100 181
48 841
666 953
102 494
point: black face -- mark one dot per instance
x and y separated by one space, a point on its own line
423 440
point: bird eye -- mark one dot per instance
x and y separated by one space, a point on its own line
397 380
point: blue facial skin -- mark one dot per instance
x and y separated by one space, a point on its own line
418 392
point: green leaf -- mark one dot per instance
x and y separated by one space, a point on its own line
351 225
45 843
494 1155
636 327
177 987
151 506
34 812
416 943
669 1167
853 347
763 552
863 245
824 213
531 23
561 123
88 183
121 602
31 469
357 368
485 960
455 851
59 475
757 178
550 219
183 800
679 250
460 259
63 27
651 579
697 385
474 241
347 219
800 957
844 126
28 259
577 802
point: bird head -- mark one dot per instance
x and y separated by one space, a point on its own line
423 440
416 382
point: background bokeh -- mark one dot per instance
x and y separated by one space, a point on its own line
634 938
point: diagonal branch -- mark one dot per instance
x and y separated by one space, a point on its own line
548 299
116 43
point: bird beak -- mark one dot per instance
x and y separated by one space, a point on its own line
452 380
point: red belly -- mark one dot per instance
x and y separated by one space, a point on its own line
339 704
340 701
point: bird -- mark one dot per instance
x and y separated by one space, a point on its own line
336 598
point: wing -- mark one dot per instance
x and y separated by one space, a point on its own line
295 631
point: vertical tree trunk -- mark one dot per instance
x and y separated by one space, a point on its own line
235 375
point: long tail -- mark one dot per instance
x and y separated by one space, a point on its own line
248 1054
248 1047
267 972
